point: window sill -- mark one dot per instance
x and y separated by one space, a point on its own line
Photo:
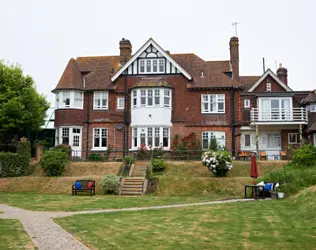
136 149
100 109
213 113
99 149
69 108
151 107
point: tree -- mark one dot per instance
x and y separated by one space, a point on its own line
21 107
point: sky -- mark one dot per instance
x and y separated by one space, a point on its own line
42 36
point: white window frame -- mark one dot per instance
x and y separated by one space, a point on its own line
140 134
101 136
219 98
207 135
154 94
120 103
246 103
296 136
100 95
268 87
60 132
146 65
274 136
247 146
73 95
78 99
67 95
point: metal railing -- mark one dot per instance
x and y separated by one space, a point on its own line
279 115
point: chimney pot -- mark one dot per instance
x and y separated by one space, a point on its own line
125 51
282 74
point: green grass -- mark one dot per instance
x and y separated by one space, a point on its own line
64 202
13 236
289 224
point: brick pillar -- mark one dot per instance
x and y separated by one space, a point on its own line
234 56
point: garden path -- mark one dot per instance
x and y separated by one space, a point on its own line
47 235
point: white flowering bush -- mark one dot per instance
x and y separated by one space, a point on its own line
218 162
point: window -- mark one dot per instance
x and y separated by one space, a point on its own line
134 98
120 102
275 108
157 96
268 87
100 138
78 99
246 103
312 108
66 99
167 98
293 138
247 140
76 137
213 103
100 100
65 136
151 97
209 135
57 100
274 141
152 66
151 137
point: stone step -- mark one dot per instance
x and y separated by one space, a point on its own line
132 190
131 180
131 193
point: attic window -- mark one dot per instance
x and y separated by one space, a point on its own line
151 66
268 87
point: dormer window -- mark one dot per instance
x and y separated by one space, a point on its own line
151 66
268 87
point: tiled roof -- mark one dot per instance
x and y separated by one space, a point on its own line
311 98
248 81
98 71
312 127
152 82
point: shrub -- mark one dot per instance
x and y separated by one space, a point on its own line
213 144
186 148
149 172
219 162
107 153
10 164
64 148
24 150
305 156
110 184
142 152
94 157
129 160
54 162
157 152
157 165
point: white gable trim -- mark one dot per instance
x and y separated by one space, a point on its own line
269 72
141 50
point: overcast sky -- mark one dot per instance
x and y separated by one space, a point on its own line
43 35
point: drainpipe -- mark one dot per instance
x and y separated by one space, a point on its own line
125 148
233 121
88 123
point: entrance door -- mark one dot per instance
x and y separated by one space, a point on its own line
76 142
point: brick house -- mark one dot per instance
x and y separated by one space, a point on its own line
148 97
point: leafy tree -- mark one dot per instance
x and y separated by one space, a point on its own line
21 107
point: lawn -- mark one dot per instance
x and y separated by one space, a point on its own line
64 202
257 225
13 236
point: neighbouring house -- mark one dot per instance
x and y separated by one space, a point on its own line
147 97
310 103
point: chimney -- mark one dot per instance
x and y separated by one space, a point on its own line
234 56
282 74
125 51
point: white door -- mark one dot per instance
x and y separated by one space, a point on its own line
76 142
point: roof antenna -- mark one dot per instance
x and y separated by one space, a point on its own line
264 65
236 24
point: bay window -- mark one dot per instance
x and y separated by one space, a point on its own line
100 100
151 137
100 138
213 135
213 103
69 99
151 97
66 99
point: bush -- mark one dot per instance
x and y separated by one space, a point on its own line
305 156
158 165
213 144
149 172
10 164
110 184
142 152
94 157
24 150
129 160
157 152
219 162
107 153
186 148
54 162
64 148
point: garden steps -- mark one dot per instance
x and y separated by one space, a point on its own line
134 185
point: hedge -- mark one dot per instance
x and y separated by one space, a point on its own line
10 164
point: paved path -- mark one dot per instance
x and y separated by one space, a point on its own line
47 235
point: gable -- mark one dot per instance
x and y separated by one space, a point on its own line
269 78
151 59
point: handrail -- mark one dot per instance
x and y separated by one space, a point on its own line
279 114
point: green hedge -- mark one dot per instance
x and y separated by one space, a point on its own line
24 150
54 162
10 165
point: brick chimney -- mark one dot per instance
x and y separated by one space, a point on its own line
282 74
125 51
234 56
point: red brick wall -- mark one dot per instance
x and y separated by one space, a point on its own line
66 117
275 87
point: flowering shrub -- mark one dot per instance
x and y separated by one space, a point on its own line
219 162
187 147
142 152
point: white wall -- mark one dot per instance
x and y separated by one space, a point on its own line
144 116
